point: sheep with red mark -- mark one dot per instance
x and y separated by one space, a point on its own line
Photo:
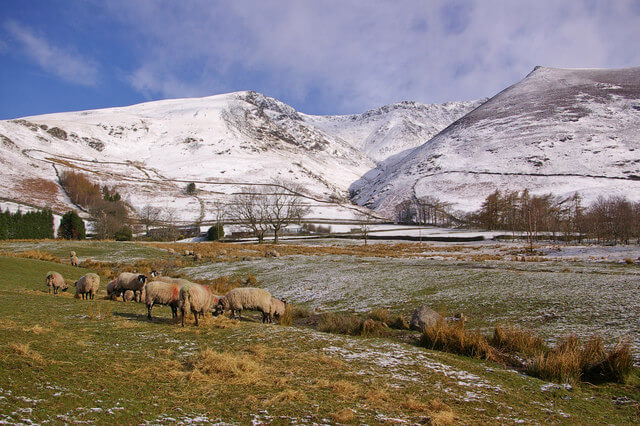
197 299
163 293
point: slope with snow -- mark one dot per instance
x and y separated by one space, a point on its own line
558 130
389 130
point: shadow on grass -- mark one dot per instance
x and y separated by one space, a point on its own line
143 318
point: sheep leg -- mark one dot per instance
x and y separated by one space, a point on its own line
182 311
149 311
195 315
174 312
54 290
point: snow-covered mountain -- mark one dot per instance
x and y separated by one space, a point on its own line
389 130
150 151
558 130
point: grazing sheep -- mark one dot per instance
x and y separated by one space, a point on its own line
112 292
130 281
163 293
277 309
197 299
56 282
252 298
74 261
87 285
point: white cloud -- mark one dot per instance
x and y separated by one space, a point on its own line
64 63
349 56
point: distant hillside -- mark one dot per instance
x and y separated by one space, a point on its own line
558 130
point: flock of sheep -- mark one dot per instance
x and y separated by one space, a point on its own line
178 293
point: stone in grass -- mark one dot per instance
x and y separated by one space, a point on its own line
424 317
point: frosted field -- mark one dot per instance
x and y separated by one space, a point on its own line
551 298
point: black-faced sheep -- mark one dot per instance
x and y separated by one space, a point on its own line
162 293
130 281
87 285
251 298
197 299
56 282
74 261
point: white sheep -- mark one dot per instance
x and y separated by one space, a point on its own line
72 254
198 299
87 285
74 261
251 298
162 293
130 281
278 307
56 282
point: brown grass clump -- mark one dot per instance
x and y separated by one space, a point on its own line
25 353
380 314
34 254
399 323
572 361
413 404
287 396
376 397
37 329
343 416
441 413
345 389
456 339
511 340
97 312
298 311
211 366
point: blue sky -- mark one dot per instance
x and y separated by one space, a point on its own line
321 57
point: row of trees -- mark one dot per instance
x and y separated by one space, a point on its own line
607 220
107 210
18 225
426 211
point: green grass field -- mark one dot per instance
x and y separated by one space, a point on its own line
67 360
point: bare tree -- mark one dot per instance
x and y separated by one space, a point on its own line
283 206
250 210
366 221
149 216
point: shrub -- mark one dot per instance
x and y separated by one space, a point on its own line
124 234
71 227
216 232
380 314
350 324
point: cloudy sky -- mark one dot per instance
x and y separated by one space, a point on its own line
320 56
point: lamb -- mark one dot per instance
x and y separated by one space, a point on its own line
130 281
56 281
128 296
247 298
112 293
197 299
74 261
87 285
163 293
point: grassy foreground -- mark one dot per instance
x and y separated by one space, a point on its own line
69 360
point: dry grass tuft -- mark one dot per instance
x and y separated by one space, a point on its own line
351 325
222 367
572 361
441 413
343 416
298 311
221 321
455 338
413 404
511 340
25 353
376 397
33 254
380 314
36 329
287 397
345 389
399 323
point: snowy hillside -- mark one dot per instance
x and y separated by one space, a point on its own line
150 151
383 132
558 130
